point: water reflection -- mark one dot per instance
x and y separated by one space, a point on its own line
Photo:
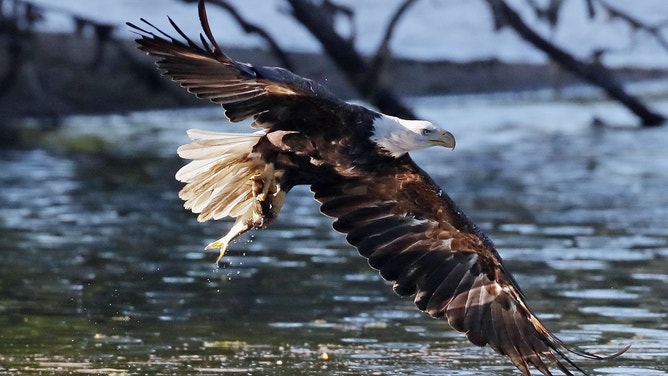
102 271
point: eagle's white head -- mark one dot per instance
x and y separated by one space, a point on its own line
399 136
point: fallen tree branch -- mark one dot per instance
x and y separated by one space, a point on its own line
14 53
348 60
593 73
383 54
636 24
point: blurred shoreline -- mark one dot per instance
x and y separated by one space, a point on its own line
66 74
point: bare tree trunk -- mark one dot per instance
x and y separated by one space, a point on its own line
383 55
349 61
595 74
14 52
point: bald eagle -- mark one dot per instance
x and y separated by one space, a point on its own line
356 162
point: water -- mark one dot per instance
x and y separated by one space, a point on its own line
102 271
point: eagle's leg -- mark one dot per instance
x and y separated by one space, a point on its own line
268 195
243 223
263 183
268 200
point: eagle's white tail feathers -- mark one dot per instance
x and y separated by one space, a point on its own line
209 148
220 172
226 178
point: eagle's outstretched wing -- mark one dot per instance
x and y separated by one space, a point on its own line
244 90
413 233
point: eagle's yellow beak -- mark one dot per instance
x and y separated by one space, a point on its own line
443 138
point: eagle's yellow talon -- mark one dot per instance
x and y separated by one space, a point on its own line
220 255
221 245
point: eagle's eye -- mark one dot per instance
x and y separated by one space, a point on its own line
426 132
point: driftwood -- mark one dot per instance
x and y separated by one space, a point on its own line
14 54
634 23
383 55
593 73
15 29
349 60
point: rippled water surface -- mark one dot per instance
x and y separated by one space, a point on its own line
102 271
